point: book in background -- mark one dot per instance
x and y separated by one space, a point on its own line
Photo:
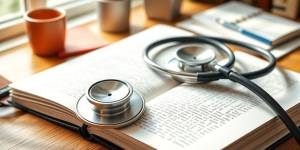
239 21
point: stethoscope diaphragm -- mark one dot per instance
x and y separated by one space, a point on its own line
194 58
110 103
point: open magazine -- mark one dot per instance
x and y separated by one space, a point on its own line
215 115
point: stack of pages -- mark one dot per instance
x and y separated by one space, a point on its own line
215 115
242 22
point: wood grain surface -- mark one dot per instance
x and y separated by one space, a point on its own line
19 130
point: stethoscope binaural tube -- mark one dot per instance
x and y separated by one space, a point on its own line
225 72
219 44
211 76
257 50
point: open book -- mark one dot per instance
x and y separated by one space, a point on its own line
215 115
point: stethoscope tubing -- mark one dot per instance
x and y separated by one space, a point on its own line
147 58
267 55
225 72
218 43
268 99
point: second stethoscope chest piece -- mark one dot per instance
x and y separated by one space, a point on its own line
186 61
194 58
110 103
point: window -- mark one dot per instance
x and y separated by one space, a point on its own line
9 9
58 2
11 12
10 15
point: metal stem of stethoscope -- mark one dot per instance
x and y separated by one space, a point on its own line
195 68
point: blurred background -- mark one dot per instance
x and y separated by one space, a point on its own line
9 8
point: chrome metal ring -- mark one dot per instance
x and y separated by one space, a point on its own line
110 103
115 94
194 58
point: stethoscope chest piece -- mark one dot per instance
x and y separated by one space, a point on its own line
194 58
110 103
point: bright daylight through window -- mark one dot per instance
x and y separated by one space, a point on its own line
9 9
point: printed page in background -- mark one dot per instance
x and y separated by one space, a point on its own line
213 115
65 83
216 30
204 23
232 11
227 13
272 22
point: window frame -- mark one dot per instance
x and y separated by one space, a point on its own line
15 26
78 13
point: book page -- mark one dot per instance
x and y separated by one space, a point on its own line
208 28
221 31
270 26
213 115
65 83
232 11
204 23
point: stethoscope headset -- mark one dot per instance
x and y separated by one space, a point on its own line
194 63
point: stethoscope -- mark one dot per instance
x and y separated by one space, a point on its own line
115 103
110 103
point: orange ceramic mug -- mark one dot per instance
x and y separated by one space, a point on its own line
46 29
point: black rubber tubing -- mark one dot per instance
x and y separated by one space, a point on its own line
267 98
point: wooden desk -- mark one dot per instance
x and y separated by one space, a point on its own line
21 130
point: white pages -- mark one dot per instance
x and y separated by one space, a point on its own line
65 83
178 116
211 116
